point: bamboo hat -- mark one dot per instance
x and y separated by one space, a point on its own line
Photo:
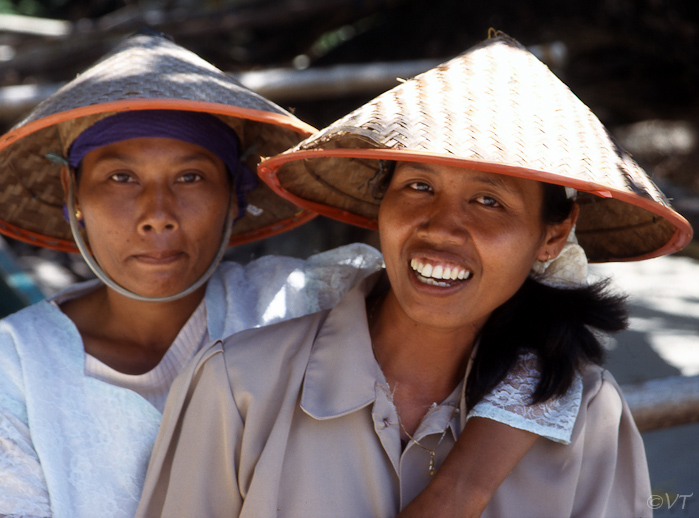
145 72
495 108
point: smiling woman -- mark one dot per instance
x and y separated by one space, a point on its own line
476 174
485 226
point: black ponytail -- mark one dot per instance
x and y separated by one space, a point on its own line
557 324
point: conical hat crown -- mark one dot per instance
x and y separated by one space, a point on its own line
145 72
495 108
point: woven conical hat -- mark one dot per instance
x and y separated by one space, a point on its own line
144 72
496 108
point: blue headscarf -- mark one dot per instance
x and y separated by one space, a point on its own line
202 129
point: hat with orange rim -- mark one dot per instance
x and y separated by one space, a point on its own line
495 108
144 72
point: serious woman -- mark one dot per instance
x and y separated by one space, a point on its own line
150 154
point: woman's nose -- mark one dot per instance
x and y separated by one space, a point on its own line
158 211
444 224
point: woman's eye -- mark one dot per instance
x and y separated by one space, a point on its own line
488 201
420 186
189 178
121 177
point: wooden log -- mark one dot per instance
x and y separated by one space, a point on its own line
664 402
284 85
280 85
14 23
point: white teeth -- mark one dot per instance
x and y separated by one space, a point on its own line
427 271
434 282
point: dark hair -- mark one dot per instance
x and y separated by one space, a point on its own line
381 179
556 205
556 324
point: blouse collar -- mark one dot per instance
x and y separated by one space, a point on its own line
342 373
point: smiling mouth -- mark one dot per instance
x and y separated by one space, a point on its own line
438 275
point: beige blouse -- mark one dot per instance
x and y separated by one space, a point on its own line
321 439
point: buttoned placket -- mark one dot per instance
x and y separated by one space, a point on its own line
411 464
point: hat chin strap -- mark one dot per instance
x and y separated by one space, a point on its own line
101 275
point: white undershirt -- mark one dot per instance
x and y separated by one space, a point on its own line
154 385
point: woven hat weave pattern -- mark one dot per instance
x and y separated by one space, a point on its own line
495 108
144 72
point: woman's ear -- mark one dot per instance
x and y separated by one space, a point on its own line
557 235
65 182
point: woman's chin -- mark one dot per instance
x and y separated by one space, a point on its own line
156 290
155 281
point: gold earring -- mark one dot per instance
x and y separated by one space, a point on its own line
78 214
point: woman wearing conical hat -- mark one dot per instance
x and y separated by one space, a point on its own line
481 175
150 156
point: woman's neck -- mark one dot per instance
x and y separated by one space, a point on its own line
422 364
128 335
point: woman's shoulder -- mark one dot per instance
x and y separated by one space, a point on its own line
258 366
30 319
355 257
22 334
47 312
258 360
36 336
41 318
596 380
603 401
272 341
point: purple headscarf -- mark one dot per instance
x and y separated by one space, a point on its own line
202 129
